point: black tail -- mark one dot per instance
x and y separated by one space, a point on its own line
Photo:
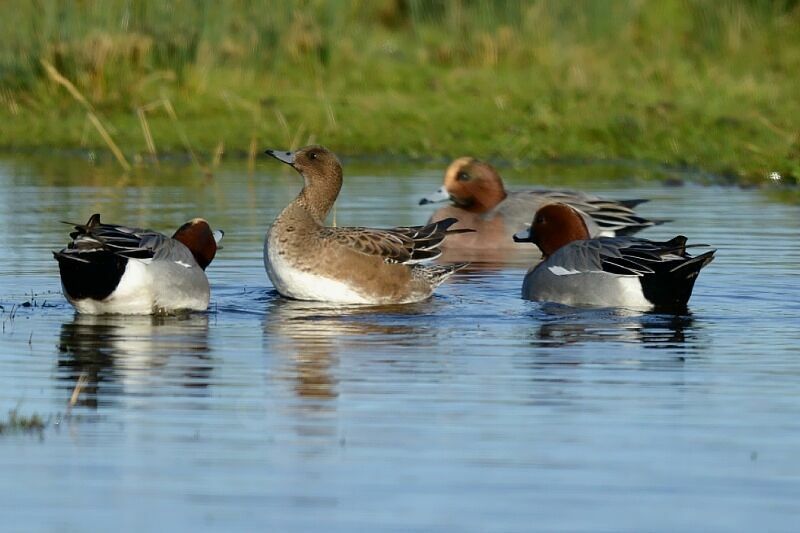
444 226
676 245
670 290
428 238
83 229
632 203
90 274
693 266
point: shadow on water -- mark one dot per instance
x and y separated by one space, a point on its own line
120 355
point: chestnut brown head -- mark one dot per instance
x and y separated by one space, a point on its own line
474 185
554 225
197 236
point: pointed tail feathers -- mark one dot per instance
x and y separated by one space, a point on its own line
443 226
435 275
633 203
671 289
693 266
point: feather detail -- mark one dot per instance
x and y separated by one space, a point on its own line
609 215
405 245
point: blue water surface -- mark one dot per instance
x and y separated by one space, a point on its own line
473 411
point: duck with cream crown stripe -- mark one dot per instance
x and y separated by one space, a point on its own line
607 271
117 269
480 201
306 260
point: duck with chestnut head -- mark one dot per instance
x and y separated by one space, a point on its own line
606 271
109 268
479 200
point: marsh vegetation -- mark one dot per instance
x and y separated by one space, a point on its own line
710 85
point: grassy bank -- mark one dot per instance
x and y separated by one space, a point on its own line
683 82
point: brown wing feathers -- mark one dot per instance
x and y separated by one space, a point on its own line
408 245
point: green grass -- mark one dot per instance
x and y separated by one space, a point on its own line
711 85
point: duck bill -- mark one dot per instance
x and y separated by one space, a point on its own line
218 235
523 236
282 156
439 196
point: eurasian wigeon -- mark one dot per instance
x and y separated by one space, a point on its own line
122 270
606 271
306 260
481 202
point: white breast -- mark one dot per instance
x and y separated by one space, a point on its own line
291 282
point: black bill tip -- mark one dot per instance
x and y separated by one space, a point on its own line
523 236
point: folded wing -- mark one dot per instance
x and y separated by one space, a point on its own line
405 245
625 256
124 241
609 215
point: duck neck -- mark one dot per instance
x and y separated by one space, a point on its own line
487 193
488 200
318 196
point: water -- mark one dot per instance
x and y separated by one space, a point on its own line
473 411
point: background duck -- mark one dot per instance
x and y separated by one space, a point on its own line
109 268
606 271
480 201
306 260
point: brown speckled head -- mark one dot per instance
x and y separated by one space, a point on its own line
474 185
197 236
321 172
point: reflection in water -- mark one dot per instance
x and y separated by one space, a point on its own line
565 325
312 333
121 354
570 338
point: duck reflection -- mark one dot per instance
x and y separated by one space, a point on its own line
564 325
123 354
307 336
592 342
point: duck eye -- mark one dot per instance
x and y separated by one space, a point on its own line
312 155
462 176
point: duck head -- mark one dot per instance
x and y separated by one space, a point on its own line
554 225
470 184
197 236
322 174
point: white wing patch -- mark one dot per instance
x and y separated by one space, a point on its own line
185 265
561 271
